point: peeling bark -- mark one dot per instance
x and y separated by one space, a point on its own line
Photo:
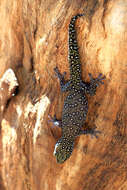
33 40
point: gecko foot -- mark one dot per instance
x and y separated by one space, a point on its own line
54 120
65 86
59 75
90 87
97 80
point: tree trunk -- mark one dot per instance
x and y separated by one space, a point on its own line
33 41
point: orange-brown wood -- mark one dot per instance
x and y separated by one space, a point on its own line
33 40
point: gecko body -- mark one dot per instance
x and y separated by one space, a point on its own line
75 104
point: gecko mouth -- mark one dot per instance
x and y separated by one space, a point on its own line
63 150
61 158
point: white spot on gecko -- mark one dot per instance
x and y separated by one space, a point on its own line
57 144
56 123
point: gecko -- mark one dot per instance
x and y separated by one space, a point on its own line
76 103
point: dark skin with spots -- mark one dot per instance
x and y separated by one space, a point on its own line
75 105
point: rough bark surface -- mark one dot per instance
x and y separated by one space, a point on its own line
33 40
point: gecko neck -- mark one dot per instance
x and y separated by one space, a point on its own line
68 139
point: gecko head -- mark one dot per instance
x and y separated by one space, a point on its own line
63 149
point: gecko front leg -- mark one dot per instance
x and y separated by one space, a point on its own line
55 121
93 132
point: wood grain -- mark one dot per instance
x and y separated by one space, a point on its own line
33 40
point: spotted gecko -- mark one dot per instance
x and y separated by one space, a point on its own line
76 104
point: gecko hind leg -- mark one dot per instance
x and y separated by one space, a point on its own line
90 87
65 86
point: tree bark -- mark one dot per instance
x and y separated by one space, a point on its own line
34 40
